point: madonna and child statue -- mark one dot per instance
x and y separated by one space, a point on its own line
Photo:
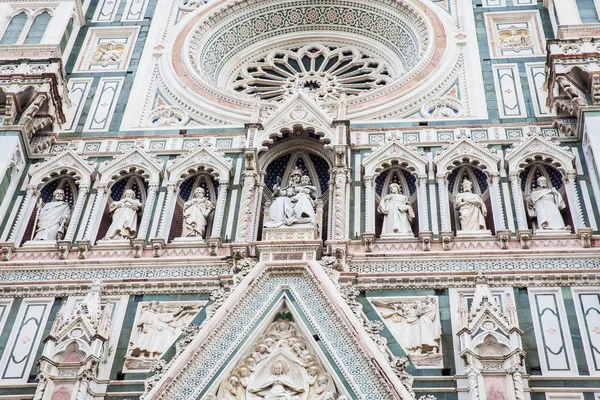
294 205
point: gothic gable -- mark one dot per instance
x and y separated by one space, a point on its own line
135 160
202 159
465 150
393 153
538 147
317 302
66 163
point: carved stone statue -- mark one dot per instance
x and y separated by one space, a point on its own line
471 209
415 324
279 366
195 214
53 219
545 204
397 212
294 204
124 217
156 329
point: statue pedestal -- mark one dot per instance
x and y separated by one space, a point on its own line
474 234
552 233
39 244
288 233
119 244
189 241
388 236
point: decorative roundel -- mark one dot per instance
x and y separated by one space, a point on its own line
443 107
377 53
489 325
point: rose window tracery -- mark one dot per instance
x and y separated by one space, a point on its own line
323 71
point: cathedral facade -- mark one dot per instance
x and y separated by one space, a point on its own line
300 200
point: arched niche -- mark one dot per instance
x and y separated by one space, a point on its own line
538 155
132 181
186 188
408 187
184 175
395 156
299 149
467 159
67 171
481 187
136 170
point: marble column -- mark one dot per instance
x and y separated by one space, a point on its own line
422 204
244 217
27 206
148 210
96 213
167 211
220 209
444 204
496 199
515 185
77 210
473 376
574 200
369 183
258 208
340 190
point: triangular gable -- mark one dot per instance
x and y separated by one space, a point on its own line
299 109
352 351
534 145
465 148
394 152
134 159
212 162
67 160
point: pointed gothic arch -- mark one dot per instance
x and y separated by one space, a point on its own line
538 151
395 156
135 168
203 163
66 169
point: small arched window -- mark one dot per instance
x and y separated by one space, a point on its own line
14 29
38 27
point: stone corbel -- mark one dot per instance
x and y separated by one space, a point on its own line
524 236
368 239
250 160
426 237
83 248
503 236
138 247
63 247
585 235
213 245
446 238
158 244
7 250
239 252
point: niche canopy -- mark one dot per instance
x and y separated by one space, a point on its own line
372 51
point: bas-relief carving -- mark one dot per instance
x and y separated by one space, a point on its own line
294 204
53 218
195 215
471 209
398 213
515 38
415 324
545 205
157 326
124 217
108 53
279 365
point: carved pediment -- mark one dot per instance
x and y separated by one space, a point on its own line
134 161
202 159
395 153
66 163
465 150
536 147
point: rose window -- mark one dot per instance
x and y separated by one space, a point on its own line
323 71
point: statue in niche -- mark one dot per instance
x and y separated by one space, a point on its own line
124 217
195 214
279 366
397 212
545 204
156 330
471 208
304 198
294 204
53 218
416 325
